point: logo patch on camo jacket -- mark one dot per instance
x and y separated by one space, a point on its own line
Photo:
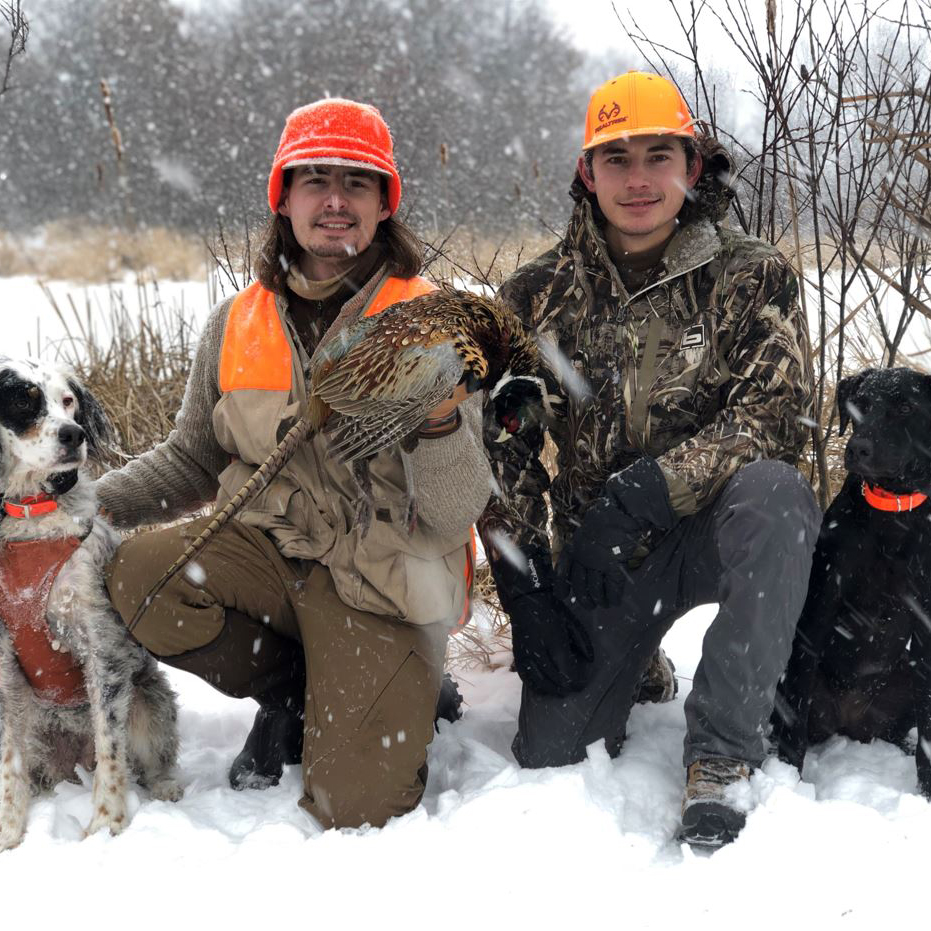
693 337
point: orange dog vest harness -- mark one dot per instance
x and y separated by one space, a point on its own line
28 570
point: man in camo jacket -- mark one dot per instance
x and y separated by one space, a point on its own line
681 351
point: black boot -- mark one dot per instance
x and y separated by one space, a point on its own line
449 701
276 738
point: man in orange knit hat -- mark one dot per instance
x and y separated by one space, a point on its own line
340 637
675 482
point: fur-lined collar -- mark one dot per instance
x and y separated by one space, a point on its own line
693 245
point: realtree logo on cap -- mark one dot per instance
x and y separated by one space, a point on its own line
604 115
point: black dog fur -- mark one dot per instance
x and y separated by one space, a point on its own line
861 659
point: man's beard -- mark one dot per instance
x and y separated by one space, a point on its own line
333 250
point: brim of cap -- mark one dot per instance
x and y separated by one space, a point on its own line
611 135
336 161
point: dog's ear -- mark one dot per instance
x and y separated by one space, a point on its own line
846 389
98 429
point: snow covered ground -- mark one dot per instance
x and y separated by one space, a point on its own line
32 327
585 846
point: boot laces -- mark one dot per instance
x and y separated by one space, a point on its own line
708 779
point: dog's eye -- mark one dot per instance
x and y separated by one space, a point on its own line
905 408
67 401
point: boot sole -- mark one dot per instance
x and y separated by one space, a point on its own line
710 825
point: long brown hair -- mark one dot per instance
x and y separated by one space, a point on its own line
280 250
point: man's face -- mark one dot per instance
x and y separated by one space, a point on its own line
640 184
334 211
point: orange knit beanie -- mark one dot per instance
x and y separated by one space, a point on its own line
335 132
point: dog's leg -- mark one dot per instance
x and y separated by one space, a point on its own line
17 716
920 656
796 688
153 733
109 691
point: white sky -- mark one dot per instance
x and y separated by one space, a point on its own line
594 25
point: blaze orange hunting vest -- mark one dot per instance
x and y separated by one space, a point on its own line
256 356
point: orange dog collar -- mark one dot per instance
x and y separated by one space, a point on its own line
31 506
884 500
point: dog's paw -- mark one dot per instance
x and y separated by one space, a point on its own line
10 838
112 817
167 790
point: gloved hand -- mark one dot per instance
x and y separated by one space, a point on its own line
552 650
636 501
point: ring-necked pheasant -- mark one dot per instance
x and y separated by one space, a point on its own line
374 380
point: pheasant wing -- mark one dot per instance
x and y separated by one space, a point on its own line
383 390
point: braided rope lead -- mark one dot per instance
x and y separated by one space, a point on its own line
275 462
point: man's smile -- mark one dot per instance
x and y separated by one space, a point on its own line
640 203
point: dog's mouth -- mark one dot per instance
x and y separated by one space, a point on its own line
897 480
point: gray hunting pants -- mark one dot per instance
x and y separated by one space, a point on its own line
750 550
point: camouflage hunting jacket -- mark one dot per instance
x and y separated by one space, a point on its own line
706 368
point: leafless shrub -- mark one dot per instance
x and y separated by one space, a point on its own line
11 13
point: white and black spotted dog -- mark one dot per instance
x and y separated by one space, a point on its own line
74 687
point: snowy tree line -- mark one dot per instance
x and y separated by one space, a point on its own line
482 97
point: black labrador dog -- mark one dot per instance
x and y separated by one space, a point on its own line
861 658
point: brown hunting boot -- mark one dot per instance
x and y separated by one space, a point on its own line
711 815
659 683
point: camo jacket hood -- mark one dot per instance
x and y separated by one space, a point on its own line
706 368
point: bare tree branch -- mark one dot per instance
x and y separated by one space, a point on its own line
11 12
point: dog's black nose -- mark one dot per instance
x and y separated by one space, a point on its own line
860 449
70 435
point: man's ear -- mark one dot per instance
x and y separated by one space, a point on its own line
846 389
694 173
385 210
283 207
588 179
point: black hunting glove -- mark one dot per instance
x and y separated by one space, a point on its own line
552 651
635 502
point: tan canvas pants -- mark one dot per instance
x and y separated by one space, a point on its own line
236 618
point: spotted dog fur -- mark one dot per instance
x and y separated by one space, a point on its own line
49 427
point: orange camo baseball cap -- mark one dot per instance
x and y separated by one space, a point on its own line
636 104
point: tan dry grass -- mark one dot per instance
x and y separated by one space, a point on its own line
138 373
485 259
69 251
